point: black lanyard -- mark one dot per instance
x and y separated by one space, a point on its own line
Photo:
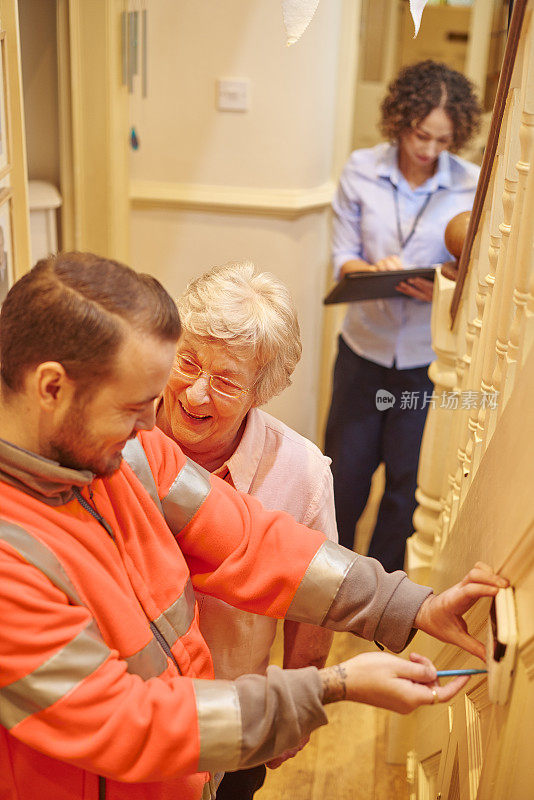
404 242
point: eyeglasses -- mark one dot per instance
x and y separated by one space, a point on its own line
192 371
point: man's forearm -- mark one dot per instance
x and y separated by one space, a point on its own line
342 591
334 680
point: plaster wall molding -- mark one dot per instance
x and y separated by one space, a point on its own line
288 203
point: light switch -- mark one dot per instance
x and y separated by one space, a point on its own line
233 94
501 646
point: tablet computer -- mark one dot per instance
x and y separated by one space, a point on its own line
375 285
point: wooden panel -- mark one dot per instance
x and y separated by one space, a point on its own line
16 177
93 110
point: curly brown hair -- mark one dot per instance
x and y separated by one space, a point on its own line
420 88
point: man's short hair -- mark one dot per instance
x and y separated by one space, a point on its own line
75 308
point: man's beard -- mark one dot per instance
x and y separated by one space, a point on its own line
67 457
73 448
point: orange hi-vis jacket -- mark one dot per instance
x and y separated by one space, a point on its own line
106 684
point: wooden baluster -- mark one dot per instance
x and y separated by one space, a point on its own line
506 188
513 201
525 321
470 418
471 383
493 256
526 239
431 475
466 386
455 480
524 263
527 332
525 336
435 448
450 500
451 494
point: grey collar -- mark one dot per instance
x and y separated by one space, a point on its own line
39 477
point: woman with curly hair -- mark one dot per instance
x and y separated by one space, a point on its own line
391 208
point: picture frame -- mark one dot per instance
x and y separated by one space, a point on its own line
7 272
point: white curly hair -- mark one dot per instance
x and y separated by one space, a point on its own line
253 315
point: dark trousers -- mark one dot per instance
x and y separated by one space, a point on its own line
359 436
241 785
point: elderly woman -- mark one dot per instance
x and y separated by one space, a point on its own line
239 347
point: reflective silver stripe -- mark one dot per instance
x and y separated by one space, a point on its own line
219 722
149 662
320 584
210 788
35 552
186 495
135 456
182 612
176 620
51 681
207 791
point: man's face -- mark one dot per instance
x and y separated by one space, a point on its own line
96 427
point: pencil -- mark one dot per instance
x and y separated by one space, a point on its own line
444 673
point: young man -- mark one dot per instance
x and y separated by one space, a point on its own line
105 681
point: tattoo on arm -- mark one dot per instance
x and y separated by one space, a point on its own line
334 684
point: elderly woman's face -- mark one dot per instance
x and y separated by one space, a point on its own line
207 423
422 144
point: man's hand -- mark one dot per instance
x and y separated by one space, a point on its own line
387 681
442 615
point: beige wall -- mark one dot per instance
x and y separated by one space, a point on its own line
284 141
177 246
279 154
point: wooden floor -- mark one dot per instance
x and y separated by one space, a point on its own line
346 759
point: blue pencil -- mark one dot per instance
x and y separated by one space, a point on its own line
444 673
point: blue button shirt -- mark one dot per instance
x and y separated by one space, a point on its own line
395 330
